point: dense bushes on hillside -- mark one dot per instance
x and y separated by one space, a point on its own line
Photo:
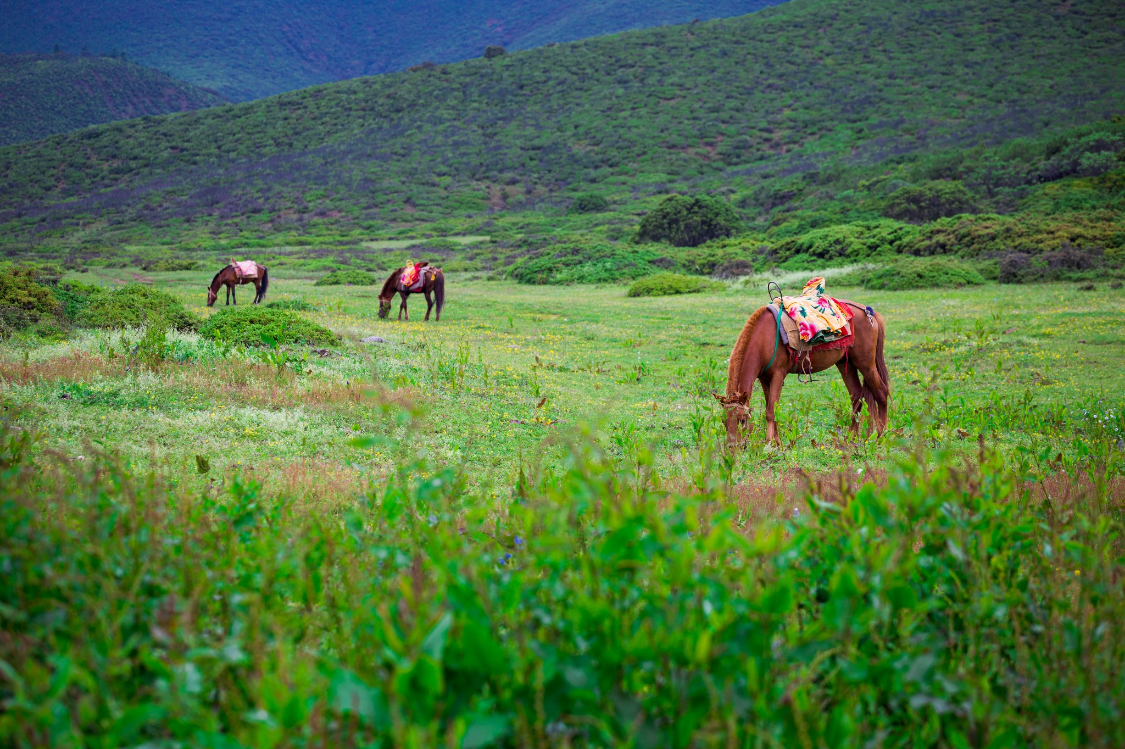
688 221
917 273
589 204
929 202
349 277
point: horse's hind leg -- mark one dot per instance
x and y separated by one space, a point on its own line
855 390
771 389
429 306
229 287
876 393
402 309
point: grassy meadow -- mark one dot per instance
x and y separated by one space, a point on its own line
511 369
519 527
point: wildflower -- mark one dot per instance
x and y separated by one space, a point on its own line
518 541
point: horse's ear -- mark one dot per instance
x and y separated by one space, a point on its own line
720 398
742 397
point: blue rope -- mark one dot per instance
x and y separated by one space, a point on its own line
776 339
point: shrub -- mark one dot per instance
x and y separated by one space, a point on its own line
855 242
246 325
1066 263
23 301
688 222
667 284
494 50
922 273
599 263
136 305
75 297
929 202
589 204
347 278
169 265
735 268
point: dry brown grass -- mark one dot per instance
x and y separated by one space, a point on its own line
74 367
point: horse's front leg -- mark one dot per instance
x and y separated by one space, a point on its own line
429 306
771 389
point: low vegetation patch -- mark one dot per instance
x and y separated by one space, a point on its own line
916 273
136 305
348 278
247 325
296 305
589 204
667 284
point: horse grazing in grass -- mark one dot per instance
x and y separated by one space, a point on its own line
432 281
230 277
759 355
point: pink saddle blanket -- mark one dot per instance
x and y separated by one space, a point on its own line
245 269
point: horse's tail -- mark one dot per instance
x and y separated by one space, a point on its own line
880 362
439 291
265 284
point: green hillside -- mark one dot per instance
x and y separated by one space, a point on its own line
247 49
804 116
41 95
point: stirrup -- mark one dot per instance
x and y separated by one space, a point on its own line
773 291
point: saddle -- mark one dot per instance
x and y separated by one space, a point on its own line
422 271
245 268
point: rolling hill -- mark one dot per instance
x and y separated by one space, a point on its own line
41 95
246 49
807 91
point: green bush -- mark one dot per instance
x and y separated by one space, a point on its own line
75 297
598 263
929 202
688 222
23 302
667 284
844 243
170 265
348 278
588 204
922 273
136 305
246 325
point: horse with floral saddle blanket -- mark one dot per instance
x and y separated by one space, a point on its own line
803 335
413 278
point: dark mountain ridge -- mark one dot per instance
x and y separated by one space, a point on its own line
246 49
41 95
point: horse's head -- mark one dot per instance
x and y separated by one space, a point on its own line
736 417
384 308
212 295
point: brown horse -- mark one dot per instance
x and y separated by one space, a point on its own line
759 355
229 277
433 281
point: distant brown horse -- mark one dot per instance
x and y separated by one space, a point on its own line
759 355
433 281
229 277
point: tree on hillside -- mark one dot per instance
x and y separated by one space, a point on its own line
688 222
494 50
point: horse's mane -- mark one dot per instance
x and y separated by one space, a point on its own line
738 355
215 279
389 286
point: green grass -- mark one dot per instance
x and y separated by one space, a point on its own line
520 521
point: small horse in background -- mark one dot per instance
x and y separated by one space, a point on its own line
231 278
433 281
758 355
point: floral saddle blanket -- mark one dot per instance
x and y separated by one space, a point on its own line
414 275
820 320
245 268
